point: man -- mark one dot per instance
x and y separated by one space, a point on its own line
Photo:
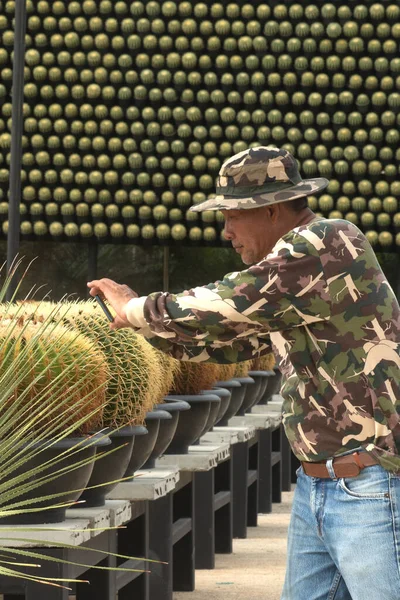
314 291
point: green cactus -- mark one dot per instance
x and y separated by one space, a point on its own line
359 204
62 375
209 234
40 228
368 220
343 204
396 220
242 369
26 228
195 234
390 204
133 231
86 230
335 214
71 230
191 217
51 209
100 230
134 373
178 232
56 229
111 211
147 232
117 230
36 209
385 239
192 378
352 217
372 237
325 202
163 231
225 372
160 213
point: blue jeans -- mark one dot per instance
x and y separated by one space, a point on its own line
344 538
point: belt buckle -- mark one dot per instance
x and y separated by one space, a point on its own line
348 466
350 470
330 469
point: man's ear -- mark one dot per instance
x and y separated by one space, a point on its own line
273 212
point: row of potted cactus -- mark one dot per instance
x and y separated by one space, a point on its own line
94 392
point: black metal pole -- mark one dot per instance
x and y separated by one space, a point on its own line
398 275
16 139
92 261
166 269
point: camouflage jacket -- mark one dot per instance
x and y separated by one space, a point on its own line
321 300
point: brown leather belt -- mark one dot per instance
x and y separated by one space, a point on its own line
349 465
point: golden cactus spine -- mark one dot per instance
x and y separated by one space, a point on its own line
226 372
242 369
59 376
264 363
169 368
134 373
193 377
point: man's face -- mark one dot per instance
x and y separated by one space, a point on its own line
252 232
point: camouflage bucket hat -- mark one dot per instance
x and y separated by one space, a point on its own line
258 177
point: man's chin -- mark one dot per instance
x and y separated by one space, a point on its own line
247 260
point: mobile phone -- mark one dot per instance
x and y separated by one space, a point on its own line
105 309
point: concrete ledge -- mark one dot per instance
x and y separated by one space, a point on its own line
202 457
256 421
244 433
147 485
223 435
120 511
80 525
98 517
275 419
72 531
275 405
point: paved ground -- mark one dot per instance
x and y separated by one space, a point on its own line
256 568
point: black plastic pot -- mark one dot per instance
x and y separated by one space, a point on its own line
262 377
250 396
191 423
212 417
112 467
237 396
144 444
69 485
167 429
225 396
264 385
264 393
272 387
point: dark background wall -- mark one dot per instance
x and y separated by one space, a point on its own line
62 268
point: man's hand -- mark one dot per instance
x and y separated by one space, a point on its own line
116 295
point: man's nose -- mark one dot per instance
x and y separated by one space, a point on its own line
228 233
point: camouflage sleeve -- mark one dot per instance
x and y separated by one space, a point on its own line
287 289
233 352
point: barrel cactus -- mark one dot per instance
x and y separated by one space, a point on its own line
56 378
134 373
264 363
242 368
226 372
192 377
169 370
